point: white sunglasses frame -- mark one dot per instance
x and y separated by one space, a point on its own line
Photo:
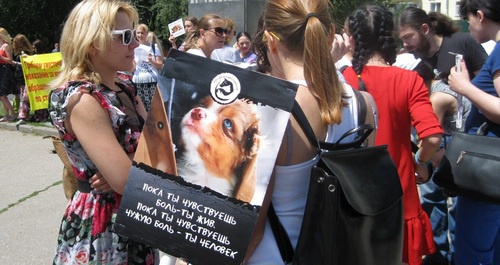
123 32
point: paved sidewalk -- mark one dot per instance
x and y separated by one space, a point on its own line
32 200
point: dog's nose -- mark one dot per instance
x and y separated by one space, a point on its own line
197 114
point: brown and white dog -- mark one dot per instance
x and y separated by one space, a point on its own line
221 143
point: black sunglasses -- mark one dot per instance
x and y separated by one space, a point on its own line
127 35
219 31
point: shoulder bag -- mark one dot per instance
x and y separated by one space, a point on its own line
470 166
354 211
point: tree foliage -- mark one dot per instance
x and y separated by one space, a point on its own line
44 19
157 14
41 19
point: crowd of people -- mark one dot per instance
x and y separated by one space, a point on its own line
147 63
12 80
109 75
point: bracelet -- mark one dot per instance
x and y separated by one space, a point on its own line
419 161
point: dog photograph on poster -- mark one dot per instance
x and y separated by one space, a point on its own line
226 131
220 146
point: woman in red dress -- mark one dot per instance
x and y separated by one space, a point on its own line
403 101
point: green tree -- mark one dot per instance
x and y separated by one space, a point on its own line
41 19
44 19
157 14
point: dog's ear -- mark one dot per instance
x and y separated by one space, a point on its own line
252 140
245 188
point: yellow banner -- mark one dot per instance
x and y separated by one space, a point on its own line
39 70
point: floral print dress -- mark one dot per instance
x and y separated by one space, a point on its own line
86 234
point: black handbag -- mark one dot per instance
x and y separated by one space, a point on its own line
354 211
470 166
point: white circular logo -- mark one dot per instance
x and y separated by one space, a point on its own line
225 88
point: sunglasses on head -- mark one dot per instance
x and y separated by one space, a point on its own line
127 35
219 31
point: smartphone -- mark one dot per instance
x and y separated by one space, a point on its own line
460 110
458 59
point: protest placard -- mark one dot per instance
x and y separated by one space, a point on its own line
39 70
176 28
225 126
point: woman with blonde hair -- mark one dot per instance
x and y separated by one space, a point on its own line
227 53
7 81
99 119
294 43
147 63
155 44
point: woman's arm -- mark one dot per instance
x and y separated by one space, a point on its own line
156 61
428 147
488 104
443 104
173 40
90 123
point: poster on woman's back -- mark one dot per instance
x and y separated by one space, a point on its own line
205 159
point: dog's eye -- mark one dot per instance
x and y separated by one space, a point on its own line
228 124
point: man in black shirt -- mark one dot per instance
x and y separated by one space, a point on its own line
433 36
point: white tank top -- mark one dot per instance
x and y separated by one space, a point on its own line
291 186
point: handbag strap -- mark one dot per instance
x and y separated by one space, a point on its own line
362 130
279 232
301 118
362 109
485 128
131 97
280 235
